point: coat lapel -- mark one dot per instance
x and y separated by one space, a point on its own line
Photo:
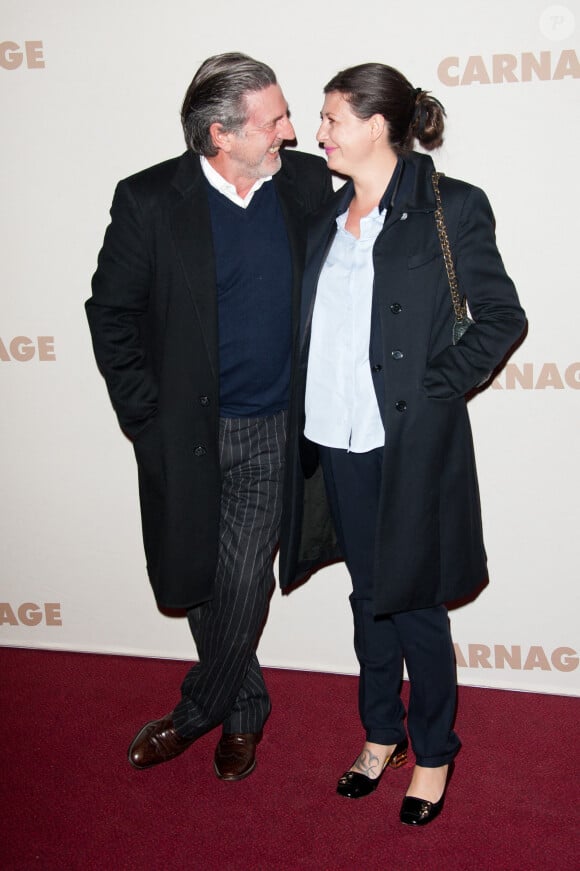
191 230
293 210
320 236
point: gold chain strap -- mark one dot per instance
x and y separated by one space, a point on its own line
459 305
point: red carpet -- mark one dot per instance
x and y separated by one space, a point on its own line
71 801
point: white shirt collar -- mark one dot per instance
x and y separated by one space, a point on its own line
218 182
368 225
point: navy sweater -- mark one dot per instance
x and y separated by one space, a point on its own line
254 281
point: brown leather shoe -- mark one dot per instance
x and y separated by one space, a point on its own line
235 755
157 742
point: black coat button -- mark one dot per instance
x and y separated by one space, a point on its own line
401 405
397 355
396 308
204 400
376 367
199 450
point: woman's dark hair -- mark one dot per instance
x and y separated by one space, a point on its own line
410 113
218 94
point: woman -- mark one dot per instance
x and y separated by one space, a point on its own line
379 415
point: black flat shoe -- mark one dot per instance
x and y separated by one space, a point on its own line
419 811
353 784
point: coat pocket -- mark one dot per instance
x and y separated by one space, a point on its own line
149 454
426 255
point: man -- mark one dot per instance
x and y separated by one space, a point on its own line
192 313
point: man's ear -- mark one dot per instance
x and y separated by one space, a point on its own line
220 137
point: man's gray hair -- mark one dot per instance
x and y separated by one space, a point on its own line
217 95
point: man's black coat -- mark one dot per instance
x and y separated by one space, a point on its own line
153 319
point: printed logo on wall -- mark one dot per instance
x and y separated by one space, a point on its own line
30 614
556 23
515 657
23 349
30 53
530 376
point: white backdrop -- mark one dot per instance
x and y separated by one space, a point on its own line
91 93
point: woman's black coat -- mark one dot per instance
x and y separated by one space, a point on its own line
429 542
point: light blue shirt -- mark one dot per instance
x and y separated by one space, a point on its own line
341 405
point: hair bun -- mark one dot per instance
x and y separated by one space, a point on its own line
427 119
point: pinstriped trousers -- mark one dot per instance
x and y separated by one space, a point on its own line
226 686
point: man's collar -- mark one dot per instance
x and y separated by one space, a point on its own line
226 188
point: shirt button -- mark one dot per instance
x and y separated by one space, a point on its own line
204 401
397 355
376 367
396 307
199 450
404 216
401 405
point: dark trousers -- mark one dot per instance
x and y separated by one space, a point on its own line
421 638
226 686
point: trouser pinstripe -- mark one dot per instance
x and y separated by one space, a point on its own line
226 685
